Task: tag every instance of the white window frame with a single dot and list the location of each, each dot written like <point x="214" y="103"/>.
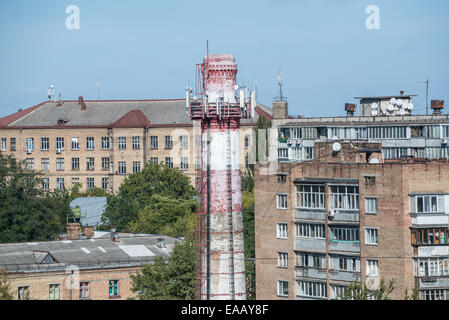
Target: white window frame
<point x="136" y="142"/>
<point x="282" y="259"/>
<point x="45" y="164"/>
<point x="367" y="205"/>
<point x="75" y="144"/>
<point x="307" y="197"/>
<point x="310" y="230"/>
<point x="281" y="288"/>
<point x="372" y="267"/>
<point x="121" y="167"/>
<point x="105" y="143"/>
<point x="184" y="142"/>
<point x="121" y="143"/>
<point x="184" y="163"/>
<point x="281" y="201"/>
<point x="369" y="234"/>
<point x="90" y="143"/>
<point x="281" y="233"/>
<point x="45" y="143"/>
<point x="60" y="143"/>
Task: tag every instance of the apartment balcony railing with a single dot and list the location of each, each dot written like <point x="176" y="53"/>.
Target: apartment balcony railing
<point x="311" y="272"/>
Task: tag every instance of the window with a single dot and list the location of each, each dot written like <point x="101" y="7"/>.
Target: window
<point x="394" y="153"/>
<point x="282" y="177"/>
<point x="23" y="293"/>
<point x="282" y="231"/>
<point x="60" y="164"/>
<point x="309" y="260"/>
<point x="309" y="230"/>
<point x="282" y="153"/>
<point x="371" y="205"/>
<point x="105" y="163"/>
<point x="184" y="141"/>
<point x="310" y="196"/>
<point x="75" y="164"/>
<point x="122" y="167"/>
<point x="54" y="292"/>
<point x="105" y="143"/>
<point x="90" y="183"/>
<point x="153" y="142"/>
<point x="59" y="143"/>
<point x="432" y="267"/>
<point x="105" y="183"/>
<point x="12" y="144"/>
<point x="184" y="163"/>
<point x="345" y="263"/>
<point x="90" y="144"/>
<point x="136" y="166"/>
<point x="75" y="143"/>
<point x="45" y="184"/>
<point x="417" y="131"/>
<point x="45" y="164"/>
<point x="136" y="143"/>
<point x="430" y="236"/>
<point x="75" y="180"/>
<point x="29" y="144"/>
<point x="121" y="143"/>
<point x="281" y="201"/>
<point x="60" y="183"/>
<point x="90" y="163"/>
<point x="345" y="234"/>
<point x="388" y="132"/>
<point x="371" y="236"/>
<point x="312" y="289"/>
<point x="344" y="197"/>
<point x="282" y="259"/>
<point x="246" y="162"/>
<point x="168" y="142"/>
<point x="247" y="141"/>
<point x="113" y="288"/>
<point x="427" y="204"/>
<point x="154" y="160"/>
<point x="29" y="162"/>
<point x="45" y="144"/>
<point x="372" y="267"/>
<point x="434" y="294"/>
<point x="370" y="181"/>
<point x="338" y="291"/>
<point x="302" y="153"/>
<point x="282" y="288"/>
<point x="84" y="290"/>
<point x="3" y="144"/>
<point x="169" y="162"/>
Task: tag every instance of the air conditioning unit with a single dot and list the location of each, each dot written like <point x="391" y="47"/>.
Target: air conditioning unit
<point x="331" y="213"/>
<point x="58" y="151"/>
<point x="29" y="151"/>
<point x="289" y="142"/>
<point x="444" y="141"/>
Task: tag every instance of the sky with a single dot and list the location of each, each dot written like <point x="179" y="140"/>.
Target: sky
<point x="142" y="49"/>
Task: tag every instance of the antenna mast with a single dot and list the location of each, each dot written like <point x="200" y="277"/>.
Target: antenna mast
<point x="98" y="87"/>
<point x="427" y="93"/>
<point x="280" y="83"/>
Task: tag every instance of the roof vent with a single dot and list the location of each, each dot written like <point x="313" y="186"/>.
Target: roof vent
<point x="81" y="103"/>
<point x="160" y="243"/>
<point x="350" y="109"/>
<point x="437" y="105"/>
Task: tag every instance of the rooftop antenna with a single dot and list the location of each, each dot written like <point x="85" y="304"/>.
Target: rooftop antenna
<point x="51" y="92"/>
<point x="427" y="93"/>
<point x="280" y="83"/>
<point x="98" y="88"/>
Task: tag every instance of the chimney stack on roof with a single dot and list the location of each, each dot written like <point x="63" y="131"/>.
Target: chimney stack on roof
<point x="81" y="103"/>
<point x="88" y="231"/>
<point x="350" y="109"/>
<point x="280" y="110"/>
<point x="73" y="231"/>
<point x="437" y="106"/>
<point x="114" y="234"/>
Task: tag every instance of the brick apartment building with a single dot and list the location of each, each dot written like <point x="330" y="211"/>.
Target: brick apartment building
<point x="349" y="214"/>
<point x="99" y="143"/>
<point x="99" y="268"/>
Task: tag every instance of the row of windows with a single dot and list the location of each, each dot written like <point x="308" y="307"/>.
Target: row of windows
<point x="427" y="204"/>
<point x="90" y="143"/>
<point x="105" y="164"/>
<point x="337" y="234"/>
<point x="432" y="267"/>
<point x="54" y="291"/>
<point x="60" y="183"/>
<point x="430" y="236"/>
<point x="428" y="152"/>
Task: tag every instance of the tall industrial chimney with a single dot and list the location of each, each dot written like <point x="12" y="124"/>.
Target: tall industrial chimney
<point x="217" y="111"/>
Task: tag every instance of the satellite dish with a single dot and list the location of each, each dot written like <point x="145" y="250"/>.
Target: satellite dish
<point x="374" y="105"/>
<point x="410" y="106"/>
<point x="374" y="160"/>
<point x="334" y="138"/>
<point x="399" y="102"/>
<point x="336" y="146"/>
<point x="390" y="107"/>
<point x="393" y="101"/>
<point x="236" y="87"/>
<point x="374" y="112"/>
<point x="331" y="213"/>
<point x="402" y="112"/>
<point x="384" y="110"/>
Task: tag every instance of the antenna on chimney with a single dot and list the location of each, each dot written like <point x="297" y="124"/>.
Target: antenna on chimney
<point x="280" y="83"/>
<point x="51" y="92"/>
<point x="98" y="87"/>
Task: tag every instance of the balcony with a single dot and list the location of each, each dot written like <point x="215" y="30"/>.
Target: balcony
<point x="310" y="244"/>
<point x="310" y="214"/>
<point x="349" y="246"/>
<point x="309" y="272"/>
<point x="433" y="251"/>
<point x="340" y="275"/>
<point x="346" y="215"/>
<point x="433" y="282"/>
<point x="430" y="219"/>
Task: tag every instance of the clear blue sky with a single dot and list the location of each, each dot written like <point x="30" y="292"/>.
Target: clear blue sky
<point x="148" y="49"/>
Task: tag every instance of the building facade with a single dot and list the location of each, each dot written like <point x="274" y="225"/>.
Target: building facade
<point x="100" y="143"/>
<point x="99" y="268"/>
<point x="347" y="215"/>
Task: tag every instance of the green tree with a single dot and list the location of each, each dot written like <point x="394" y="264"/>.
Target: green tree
<point x="168" y="280"/>
<point x="5" y="288"/>
<point x="248" y="232"/>
<point x="26" y="212"/>
<point x="76" y="192"/>
<point x="165" y="215"/>
<point x="137" y="190"/>
<point x="360" y="291"/>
